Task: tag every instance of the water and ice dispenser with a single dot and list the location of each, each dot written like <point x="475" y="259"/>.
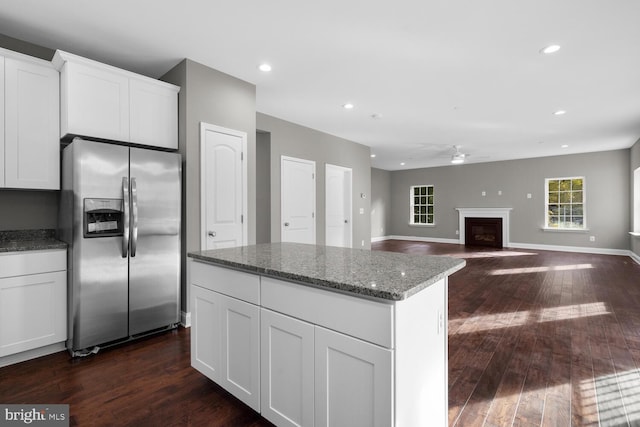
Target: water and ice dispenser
<point x="103" y="217"/>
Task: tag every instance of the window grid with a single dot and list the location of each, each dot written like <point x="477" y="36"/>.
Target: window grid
<point x="422" y="206"/>
<point x="564" y="204"/>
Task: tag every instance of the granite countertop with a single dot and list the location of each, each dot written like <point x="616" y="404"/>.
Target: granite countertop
<point x="387" y="275"/>
<point x="29" y="240"/>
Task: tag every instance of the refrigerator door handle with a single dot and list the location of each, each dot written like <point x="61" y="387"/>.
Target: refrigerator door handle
<point x="134" y="217"/>
<point x="125" y="200"/>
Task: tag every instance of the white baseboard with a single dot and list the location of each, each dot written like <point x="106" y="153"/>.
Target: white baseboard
<point x="424" y="239"/>
<point x="185" y="319"/>
<point x="578" y="249"/>
<point x="32" y="354"/>
<point x="530" y="246"/>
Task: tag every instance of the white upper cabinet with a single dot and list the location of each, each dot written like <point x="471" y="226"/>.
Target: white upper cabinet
<point x="102" y="101"/>
<point x="94" y="102"/>
<point x="29" y="123"/>
<point x="32" y="146"/>
<point x="153" y="114"/>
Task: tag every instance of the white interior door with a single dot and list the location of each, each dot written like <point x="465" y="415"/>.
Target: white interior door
<point x="338" y="205"/>
<point x="298" y="200"/>
<point x="223" y="187"/>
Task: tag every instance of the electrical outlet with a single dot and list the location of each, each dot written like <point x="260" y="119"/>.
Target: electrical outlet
<point x="457" y="232"/>
<point x="362" y="244"/>
<point x="592" y="238"/>
<point x="484" y="193"/>
<point x="361" y="211"/>
<point x="499" y="192"/>
<point x="528" y="195"/>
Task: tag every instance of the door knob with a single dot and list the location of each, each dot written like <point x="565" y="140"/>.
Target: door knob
<point x="286" y="224"/>
<point x="346" y="221"/>
<point x="212" y="234"/>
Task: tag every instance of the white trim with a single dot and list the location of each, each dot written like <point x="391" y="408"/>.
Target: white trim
<point x="185" y="319"/>
<point x="531" y="246"/>
<point x="422" y="225"/>
<point x="565" y="230"/>
<point x="503" y="213"/>
<point x="245" y="200"/>
<point x="584" y="201"/>
<point x="635" y="233"/>
<point x="424" y="239"/>
<point x="31" y="354"/>
<point x="579" y="249"/>
<point x="347" y="172"/>
<point x="309" y="162"/>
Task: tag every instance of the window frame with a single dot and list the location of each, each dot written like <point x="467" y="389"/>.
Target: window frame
<point x="426" y="205"/>
<point x="547" y="225"/>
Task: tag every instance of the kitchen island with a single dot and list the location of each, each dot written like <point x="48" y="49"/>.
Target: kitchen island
<point x="324" y="336"/>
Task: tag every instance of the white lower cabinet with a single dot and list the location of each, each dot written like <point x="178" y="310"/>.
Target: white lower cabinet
<point x="304" y="356"/>
<point x="225" y="343"/>
<point x="287" y="374"/>
<point x="353" y="382"/>
<point x="348" y="381"/>
<point x="33" y="300"/>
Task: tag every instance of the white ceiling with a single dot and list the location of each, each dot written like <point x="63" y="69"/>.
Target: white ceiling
<point x="438" y="72"/>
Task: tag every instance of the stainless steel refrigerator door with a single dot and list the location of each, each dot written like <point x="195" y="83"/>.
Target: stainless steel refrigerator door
<point x="154" y="259"/>
<point x="99" y="276"/>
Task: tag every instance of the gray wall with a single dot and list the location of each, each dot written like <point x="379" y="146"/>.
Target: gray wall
<point x="288" y="139"/>
<point x="20" y="209"/>
<point x="380" y="202"/>
<point x="635" y="164"/>
<point x="263" y="187"/>
<point x="213" y="97"/>
<point x="607" y="197"/>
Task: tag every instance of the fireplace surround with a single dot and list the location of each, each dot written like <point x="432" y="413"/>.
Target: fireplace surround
<point x="503" y="213"/>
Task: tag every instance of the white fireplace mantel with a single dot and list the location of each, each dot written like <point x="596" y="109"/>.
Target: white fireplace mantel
<point x="485" y="213"/>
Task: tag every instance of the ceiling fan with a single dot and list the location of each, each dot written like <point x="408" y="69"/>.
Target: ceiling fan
<point x="457" y="157"/>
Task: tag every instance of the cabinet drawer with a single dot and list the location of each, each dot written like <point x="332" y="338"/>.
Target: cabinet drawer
<point x="361" y="318"/>
<point x="236" y="284"/>
<point x="32" y="262"/>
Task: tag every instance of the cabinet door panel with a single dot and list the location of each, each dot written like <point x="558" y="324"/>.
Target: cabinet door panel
<point x="95" y="103"/>
<point x="287" y="370"/>
<point x="154" y="114"/>
<point x="353" y="382"/>
<point x="33" y="311"/>
<point x="241" y="350"/>
<point x="32" y="146"/>
<point x="206" y="332"/>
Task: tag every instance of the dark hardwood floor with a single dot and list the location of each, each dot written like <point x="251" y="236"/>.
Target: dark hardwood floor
<point x="541" y="338"/>
<point x="535" y="338"/>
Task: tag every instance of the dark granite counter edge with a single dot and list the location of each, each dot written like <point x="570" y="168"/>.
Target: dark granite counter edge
<point x="355" y="290"/>
<point x="29" y="240"/>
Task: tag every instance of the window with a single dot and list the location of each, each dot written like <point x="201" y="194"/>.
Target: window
<point x="564" y="203"/>
<point x="421" y="205"/>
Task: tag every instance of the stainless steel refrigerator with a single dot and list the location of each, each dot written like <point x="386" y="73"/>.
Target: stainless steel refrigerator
<point x="120" y="215"/>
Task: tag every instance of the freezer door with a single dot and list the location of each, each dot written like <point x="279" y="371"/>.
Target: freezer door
<point x="97" y="269"/>
<point x="154" y="259"/>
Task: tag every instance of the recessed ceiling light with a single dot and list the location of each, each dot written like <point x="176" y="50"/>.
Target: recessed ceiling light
<point x="373" y="155"/>
<point x="348" y="106"/>
<point x="559" y="112"/>
<point x="552" y="48"/>
<point x="402" y="164"/>
<point x="376" y="116"/>
<point x="564" y="146"/>
<point x="457" y="159"/>
<point x="264" y="67"/>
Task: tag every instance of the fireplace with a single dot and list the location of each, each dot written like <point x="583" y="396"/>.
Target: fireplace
<point x="483" y="232"/>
